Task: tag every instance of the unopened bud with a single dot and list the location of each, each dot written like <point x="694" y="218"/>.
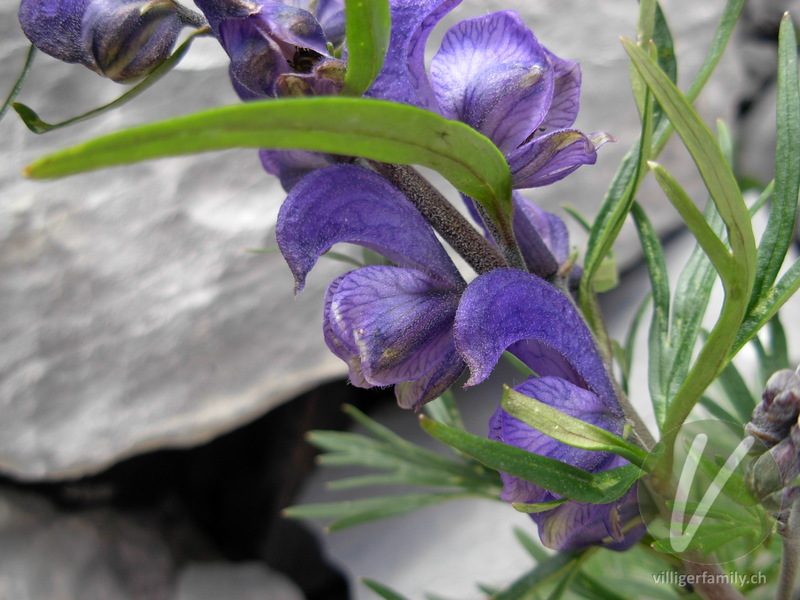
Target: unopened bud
<point x="774" y="418"/>
<point x="120" y="39"/>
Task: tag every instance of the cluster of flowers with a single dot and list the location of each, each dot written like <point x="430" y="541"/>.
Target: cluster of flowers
<point x="415" y="323"/>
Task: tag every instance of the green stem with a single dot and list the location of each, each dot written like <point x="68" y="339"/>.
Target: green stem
<point x="791" y="553"/>
<point x="26" y="68"/>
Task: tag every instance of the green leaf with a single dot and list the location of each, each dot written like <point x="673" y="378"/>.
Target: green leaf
<point x="768" y="306"/>
<point x="558" y="477"/>
<point x="542" y="574"/>
<point x="537" y="507"/>
<point x="368" y="28"/>
<point x="695" y="222"/>
<point x="738" y="394"/>
<point x="445" y="410"/>
<point x="37" y="125"/>
<point x="708" y="157"/>
<point x="658" y="341"/>
<point x="691" y="299"/>
<point x="566" y="429"/>
<point x="533" y="548"/>
<point x="630" y="341"/>
<point x="783" y="211"/>
<point x="350" y="126"/>
<point x="17" y="87"/>
<point x="383" y="591"/>
<point x="356" y="512"/>
<point x="709" y="538"/>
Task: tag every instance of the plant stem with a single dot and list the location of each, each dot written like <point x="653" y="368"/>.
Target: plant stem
<point x="710" y="582"/>
<point x="443" y="217"/>
<point x="791" y="553"/>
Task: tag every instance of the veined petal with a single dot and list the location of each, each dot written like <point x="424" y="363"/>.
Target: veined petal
<point x="339" y="346"/>
<point x="552" y="157"/>
<point x="493" y="74"/>
<point x="576" y="524"/>
<point x="399" y="321"/>
<point x="413" y="394"/>
<point x="403" y="77"/>
<point x="345" y="203"/>
<point x="570" y="399"/>
<point x="566" y="94"/>
<point x="506" y="306"/>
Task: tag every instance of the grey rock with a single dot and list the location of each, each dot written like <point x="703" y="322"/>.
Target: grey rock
<point x="134" y="315"/>
<point x="90" y="555"/>
<point x="135" y="319"/>
<point x="241" y="581"/>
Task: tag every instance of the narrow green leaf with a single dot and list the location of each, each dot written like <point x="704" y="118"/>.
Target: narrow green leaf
<point x="709" y="159"/>
<point x="662" y="37"/>
<point x="445" y="409"/>
<point x="537" y="552"/>
<point x="695" y="222"/>
<point x="351" y="126"/>
<point x="659" y="356"/>
<point x="768" y="306"/>
<point x="383" y="591"/>
<point x="566" y="581"/>
<point x="537" y="507"/>
<point x="368" y="27"/>
<point x="692" y="295"/>
<point x="553" y="475"/>
<point x="542" y="574"/>
<point x="709" y="538"/>
<point x="17" y="87"/>
<point x="37" y="125"/>
<point x="355" y="512"/>
<point x="783" y="210"/>
<point x="738" y="394"/>
<point x="716" y="411"/>
<point x="567" y="429"/>
<point x="630" y="341"/>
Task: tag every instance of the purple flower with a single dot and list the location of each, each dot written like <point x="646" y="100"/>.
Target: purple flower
<point x="280" y="48"/>
<point x="122" y="40"/>
<point x="392" y="325"/>
<point x="517" y="311"/>
<point x="493" y="74"/>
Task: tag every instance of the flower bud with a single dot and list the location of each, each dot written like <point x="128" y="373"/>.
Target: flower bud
<point x="128" y="40"/>
<point x="774" y="418"/>
<point x="122" y="39"/>
<point x="777" y="469"/>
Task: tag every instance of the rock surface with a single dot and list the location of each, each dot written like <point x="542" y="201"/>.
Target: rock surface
<point x="134" y="318"/>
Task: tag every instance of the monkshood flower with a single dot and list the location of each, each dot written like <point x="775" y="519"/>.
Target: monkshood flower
<point x="120" y="39"/>
<point x="494" y="75"/>
<point x="507" y="309"/>
<point x="392" y="325"/>
<point x="280" y="48"/>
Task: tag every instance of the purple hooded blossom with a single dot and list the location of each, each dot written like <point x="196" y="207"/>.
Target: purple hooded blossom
<point x="280" y="48"/>
<point x="510" y="309"/>
<point x="494" y="75"/>
<point x="392" y="325"/>
<point x="119" y="39"/>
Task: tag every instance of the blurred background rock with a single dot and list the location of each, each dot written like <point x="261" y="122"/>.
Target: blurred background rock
<point x="135" y="323"/>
